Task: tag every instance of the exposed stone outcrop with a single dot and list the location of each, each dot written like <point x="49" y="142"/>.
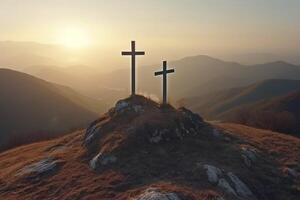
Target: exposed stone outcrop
<point x="102" y="160"/>
<point x="228" y="182"/>
<point x="124" y="106"/>
<point x="240" y="187"/>
<point x="249" y="155"/>
<point x="213" y="173"/>
<point x="217" y="133"/>
<point x="223" y="184"/>
<point x="41" y="167"/>
<point x="290" y="172"/>
<point x="91" y="133"/>
<point x="155" y="194"/>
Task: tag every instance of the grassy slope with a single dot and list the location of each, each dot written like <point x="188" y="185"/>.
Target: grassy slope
<point x="75" y="179"/>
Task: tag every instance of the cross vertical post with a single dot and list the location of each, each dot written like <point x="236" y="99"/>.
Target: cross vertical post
<point x="164" y="72"/>
<point x="133" y="68"/>
<point x="133" y="53"/>
<point x="164" y="82"/>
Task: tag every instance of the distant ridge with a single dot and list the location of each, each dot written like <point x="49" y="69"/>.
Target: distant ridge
<point x="276" y="95"/>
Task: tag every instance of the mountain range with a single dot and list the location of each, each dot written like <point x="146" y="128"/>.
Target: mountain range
<point x="195" y="75"/>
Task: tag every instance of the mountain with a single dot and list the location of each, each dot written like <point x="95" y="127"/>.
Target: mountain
<point x="32" y="109"/>
<point x="17" y="55"/>
<point x="194" y="76"/>
<point x="140" y="150"/>
<point x="84" y="79"/>
<point x="215" y="105"/>
<point x="199" y="75"/>
<point x="270" y="104"/>
<point x="280" y="113"/>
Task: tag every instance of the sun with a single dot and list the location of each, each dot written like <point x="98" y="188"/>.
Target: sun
<point x="74" y="38"/>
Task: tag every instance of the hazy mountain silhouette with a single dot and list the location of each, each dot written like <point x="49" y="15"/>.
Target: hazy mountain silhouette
<point x="281" y="113"/>
<point x="33" y="109"/>
<point x="215" y="104"/>
<point x="16" y="55"/>
<point x="199" y="75"/>
<point x="271" y="104"/>
<point x="195" y="76"/>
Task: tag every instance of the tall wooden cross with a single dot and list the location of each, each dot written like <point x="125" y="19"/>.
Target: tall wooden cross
<point x="133" y="54"/>
<point x="164" y="72"/>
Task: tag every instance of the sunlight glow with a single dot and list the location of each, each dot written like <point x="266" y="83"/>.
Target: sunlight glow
<point x="74" y="38"/>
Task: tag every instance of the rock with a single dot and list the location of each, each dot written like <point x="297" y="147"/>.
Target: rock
<point x="291" y="172"/>
<point x="56" y="149"/>
<point x="91" y="132"/>
<point x="156" y="137"/>
<point x="240" y="187"/>
<point x="250" y="153"/>
<point x="191" y="116"/>
<point x="191" y="120"/>
<point x="124" y="106"/>
<point x="223" y="184"/>
<point x="213" y="173"/>
<point x="249" y="156"/>
<point x="215" y="176"/>
<point x="101" y="159"/>
<point x="178" y="133"/>
<point x="182" y="129"/>
<point x="216" y="133"/>
<point x="247" y="161"/>
<point x="41" y="167"/>
<point x="155" y="194"/>
<point x="227" y="139"/>
<point x="138" y="108"/>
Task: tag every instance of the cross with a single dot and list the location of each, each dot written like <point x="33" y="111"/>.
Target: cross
<point x="164" y="72"/>
<point x="133" y="54"/>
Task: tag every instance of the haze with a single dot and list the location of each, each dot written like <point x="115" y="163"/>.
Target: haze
<point x="93" y="32"/>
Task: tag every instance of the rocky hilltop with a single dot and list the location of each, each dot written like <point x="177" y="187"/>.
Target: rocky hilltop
<point x="140" y="150"/>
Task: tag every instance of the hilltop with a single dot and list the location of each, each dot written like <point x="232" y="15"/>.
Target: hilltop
<point x="33" y="109"/>
<point x="140" y="150"/>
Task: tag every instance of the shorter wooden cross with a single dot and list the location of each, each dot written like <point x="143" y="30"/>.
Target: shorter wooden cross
<point x="164" y="72"/>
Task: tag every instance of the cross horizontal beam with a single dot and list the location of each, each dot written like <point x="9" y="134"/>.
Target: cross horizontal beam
<point x="163" y="72"/>
<point x="135" y="53"/>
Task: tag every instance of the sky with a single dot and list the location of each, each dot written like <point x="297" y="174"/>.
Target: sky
<point x="170" y="28"/>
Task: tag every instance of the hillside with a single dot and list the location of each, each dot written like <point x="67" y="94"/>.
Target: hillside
<point x="280" y="113"/>
<point x="32" y="109"/>
<point x="142" y="151"/>
<point x="218" y="105"/>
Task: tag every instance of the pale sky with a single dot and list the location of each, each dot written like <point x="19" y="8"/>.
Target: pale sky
<point x="185" y="26"/>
